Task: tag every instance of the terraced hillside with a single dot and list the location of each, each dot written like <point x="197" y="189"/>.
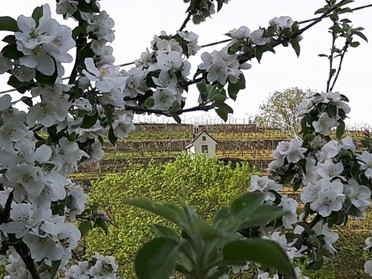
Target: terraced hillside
<point x="162" y="142"/>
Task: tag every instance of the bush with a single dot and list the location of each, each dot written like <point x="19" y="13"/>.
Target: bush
<point x="203" y="183"/>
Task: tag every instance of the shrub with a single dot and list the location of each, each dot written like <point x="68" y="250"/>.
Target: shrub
<point x="203" y="183"/>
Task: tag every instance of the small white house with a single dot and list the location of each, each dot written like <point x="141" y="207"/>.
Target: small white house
<point x="202" y="143"/>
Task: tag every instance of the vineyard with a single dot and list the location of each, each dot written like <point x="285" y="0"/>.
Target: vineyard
<point x="163" y="142"/>
<point x="139" y="165"/>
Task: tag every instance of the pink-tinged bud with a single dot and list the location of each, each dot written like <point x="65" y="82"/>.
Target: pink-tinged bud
<point x="103" y="216"/>
<point x="366" y="133"/>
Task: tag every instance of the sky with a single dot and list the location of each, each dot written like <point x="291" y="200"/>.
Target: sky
<point x="137" y="21"/>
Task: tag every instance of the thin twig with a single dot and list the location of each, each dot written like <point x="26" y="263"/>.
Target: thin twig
<point x="162" y="112"/>
<point x="23" y="250"/>
<point x="331" y="72"/>
<point x="187" y="19"/>
<point x="344" y="50"/>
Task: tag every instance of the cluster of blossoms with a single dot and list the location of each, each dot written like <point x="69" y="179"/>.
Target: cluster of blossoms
<point x="333" y="176"/>
<point x="98" y="267"/>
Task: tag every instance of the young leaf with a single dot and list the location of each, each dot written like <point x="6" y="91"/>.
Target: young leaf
<point x="8" y="23"/>
<point x="340" y="130"/>
<point x="165" y="231"/>
<point x="262" y="215"/>
<point x="37" y="14"/>
<point x="251" y="200"/>
<point x="169" y="212"/>
<point x="296" y="46"/>
<point x="44" y="79"/>
<point x="55" y="268"/>
<point x="89" y="120"/>
<point x="157" y="258"/>
<point x="262" y="251"/>
<point x="85" y="227"/>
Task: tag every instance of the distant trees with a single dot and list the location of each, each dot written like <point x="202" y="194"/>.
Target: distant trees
<point x="281" y="110"/>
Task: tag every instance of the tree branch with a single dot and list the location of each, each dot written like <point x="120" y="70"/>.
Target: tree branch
<point x="24" y="252"/>
<point x="166" y="113"/>
<point x="187" y="19"/>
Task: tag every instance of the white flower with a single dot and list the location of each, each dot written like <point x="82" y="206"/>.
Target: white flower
<point x="24" y="216"/>
<point x="79" y="199"/>
<point x="164" y="98"/>
<point x="53" y="107"/>
<point x="368" y="267"/>
<point x="25" y="177"/>
<point x="359" y="195"/>
<point x="79" y="271"/>
<point x="365" y="160"/>
<point x="242" y="32"/>
<point x="105" y="78"/>
<point x="192" y="42"/>
<point x="123" y="124"/>
<point x="289" y="205"/>
<point x="328" y="169"/>
<point x="282" y="22"/>
<point x="330" y="197"/>
<point x="291" y="150"/>
<point x="324" y="124"/>
<point x="220" y="65"/>
<point x="348" y="144"/>
<point x="43" y="44"/>
<point x="331" y="149"/>
<point x="330" y="237"/>
<point x="104" y="268"/>
<point x="265" y="185"/>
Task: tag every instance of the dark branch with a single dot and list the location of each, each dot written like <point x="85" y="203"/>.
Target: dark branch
<point x="24" y="252"/>
<point x="187" y="19"/>
<point x="166" y="113"/>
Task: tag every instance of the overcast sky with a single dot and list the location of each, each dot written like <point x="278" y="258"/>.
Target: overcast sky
<point x="137" y="21"/>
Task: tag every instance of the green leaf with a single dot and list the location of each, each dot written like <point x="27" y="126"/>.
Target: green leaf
<point x="149" y="102"/>
<point x="85" y="227"/>
<point x="262" y="251"/>
<point x="111" y="136"/>
<point x="361" y="35"/>
<point x="177" y="118"/>
<point x="296" y="46"/>
<point x="8" y="23"/>
<point x="340" y="130"/>
<point x="11" y="51"/>
<point x="234" y="88"/>
<point x="89" y="120"/>
<point x="27" y="101"/>
<point x="100" y="223"/>
<point x="44" y="79"/>
<point x="251" y="200"/>
<point x="354" y="44"/>
<point x="222" y="114"/>
<point x="169" y="212"/>
<point x="55" y="268"/>
<point x="165" y="231"/>
<point x="157" y="258"/>
<point x="263" y="215"/>
<point x="20" y="86"/>
<point x="10" y="39"/>
<point x="37" y="14"/>
<point x="315" y="265"/>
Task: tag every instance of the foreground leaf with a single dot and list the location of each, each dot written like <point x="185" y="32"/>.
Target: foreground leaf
<point x="169" y="212"/>
<point x="262" y="251"/>
<point x="156" y="259"/>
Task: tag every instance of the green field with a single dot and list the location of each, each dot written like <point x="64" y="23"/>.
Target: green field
<point x="144" y="149"/>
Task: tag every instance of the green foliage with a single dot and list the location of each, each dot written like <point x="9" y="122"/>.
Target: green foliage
<point x="280" y="110"/>
<point x="204" y="250"/>
<point x="203" y="183"/>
